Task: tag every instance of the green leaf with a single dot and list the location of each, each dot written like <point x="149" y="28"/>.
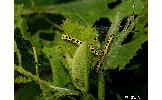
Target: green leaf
<point x="80" y="68"/>
<point x="60" y="77"/>
<point x="39" y="42"/>
<point x="126" y="8"/>
<point x="119" y="55"/>
<point x="19" y="22"/>
<point x="84" y="11"/>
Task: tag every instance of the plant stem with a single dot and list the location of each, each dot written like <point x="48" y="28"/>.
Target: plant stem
<point x="65" y="91"/>
<point x="101" y="86"/>
<point x="36" y="60"/>
<point x="18" y="53"/>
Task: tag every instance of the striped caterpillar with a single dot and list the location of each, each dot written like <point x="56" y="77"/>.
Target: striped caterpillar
<point x="107" y="45"/>
<point x="105" y="51"/>
<point x="78" y="42"/>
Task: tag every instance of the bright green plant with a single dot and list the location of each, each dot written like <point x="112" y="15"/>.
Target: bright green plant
<point x="70" y="63"/>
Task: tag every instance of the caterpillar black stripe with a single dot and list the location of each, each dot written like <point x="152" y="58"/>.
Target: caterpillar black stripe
<point x="78" y="42"/>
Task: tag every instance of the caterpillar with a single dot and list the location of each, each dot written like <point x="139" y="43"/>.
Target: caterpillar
<point x="105" y="51"/>
<point x="69" y="38"/>
<point x="78" y="42"/>
<point x="107" y="45"/>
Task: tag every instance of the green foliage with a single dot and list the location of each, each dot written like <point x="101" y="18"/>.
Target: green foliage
<point x="123" y="53"/>
<point x="60" y="76"/>
<point x="88" y="11"/>
<point x="47" y="87"/>
<point x="70" y="64"/>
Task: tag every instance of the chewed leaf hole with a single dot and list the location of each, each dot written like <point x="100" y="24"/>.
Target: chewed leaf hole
<point x="47" y="36"/>
<point x="113" y="4"/>
<point x="128" y="38"/>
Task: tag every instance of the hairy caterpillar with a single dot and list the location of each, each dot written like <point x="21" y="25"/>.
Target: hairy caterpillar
<point x="78" y="42"/>
<point x="105" y="51"/>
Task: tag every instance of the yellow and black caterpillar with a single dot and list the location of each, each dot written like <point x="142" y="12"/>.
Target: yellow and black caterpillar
<point x="105" y="51"/>
<point x="78" y="42"/>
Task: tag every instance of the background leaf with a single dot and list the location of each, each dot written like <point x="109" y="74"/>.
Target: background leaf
<point x="61" y="77"/>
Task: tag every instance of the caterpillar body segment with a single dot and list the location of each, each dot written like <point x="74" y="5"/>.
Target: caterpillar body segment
<point x="66" y="37"/>
<point x="94" y="51"/>
<point x="69" y="38"/>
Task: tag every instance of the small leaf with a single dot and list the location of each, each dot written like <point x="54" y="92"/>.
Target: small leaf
<point x="80" y="68"/>
<point x="60" y="77"/>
